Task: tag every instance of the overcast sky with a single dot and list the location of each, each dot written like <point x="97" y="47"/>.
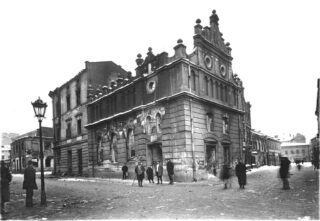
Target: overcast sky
<point x="275" y="46"/>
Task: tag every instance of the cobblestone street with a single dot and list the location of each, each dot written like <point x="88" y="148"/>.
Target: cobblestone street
<point x="263" y="198"/>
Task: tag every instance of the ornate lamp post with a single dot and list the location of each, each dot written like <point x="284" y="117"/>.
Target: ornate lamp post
<point x="39" y="110"/>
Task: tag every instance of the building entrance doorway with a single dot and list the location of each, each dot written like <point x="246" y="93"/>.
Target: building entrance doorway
<point x="210" y="157"/>
<point x="154" y="153"/>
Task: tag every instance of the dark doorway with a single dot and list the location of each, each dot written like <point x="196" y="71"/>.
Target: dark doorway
<point x="70" y="162"/>
<point x="80" y="162"/>
<point x="154" y="153"/>
<point x="210" y="156"/>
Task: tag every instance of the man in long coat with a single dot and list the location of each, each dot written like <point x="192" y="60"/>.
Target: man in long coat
<point x="6" y="178"/>
<point x="284" y="172"/>
<point x="241" y="174"/>
<point x="140" y="173"/>
<point x="150" y="174"/>
<point x="29" y="183"/>
<point x="170" y="171"/>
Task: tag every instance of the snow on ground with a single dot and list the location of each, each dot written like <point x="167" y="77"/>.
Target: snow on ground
<point x="262" y="168"/>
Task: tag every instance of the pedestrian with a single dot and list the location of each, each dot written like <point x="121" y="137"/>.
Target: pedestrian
<point x="140" y="173"/>
<point x="29" y="183"/>
<point x="150" y="174"/>
<point x="225" y="176"/>
<point x="284" y="172"/>
<point x="6" y="178"/>
<point x="124" y="172"/>
<point x="159" y="171"/>
<point x="170" y="170"/>
<point x="241" y="174"/>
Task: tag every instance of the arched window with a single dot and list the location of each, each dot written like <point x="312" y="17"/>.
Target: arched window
<point x="221" y="93"/>
<point x="206" y="86"/>
<point x="217" y="90"/>
<point x="193" y="81"/>
<point x="212" y="88"/>
<point x="226" y="93"/>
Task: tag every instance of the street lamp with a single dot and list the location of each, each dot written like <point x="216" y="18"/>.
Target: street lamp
<point x="39" y="110"/>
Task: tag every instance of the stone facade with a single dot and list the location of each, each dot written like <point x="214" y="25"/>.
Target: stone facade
<point x="27" y="147"/>
<point x="70" y="115"/>
<point x="188" y="108"/>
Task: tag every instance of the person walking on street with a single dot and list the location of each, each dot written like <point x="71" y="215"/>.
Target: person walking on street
<point x="140" y="173"/>
<point x="225" y="176"/>
<point x="170" y="170"/>
<point x="159" y="171"/>
<point x="6" y="178"/>
<point x="241" y="174"/>
<point x="29" y="183"/>
<point x="124" y="172"/>
<point x="150" y="174"/>
<point x="284" y="172"/>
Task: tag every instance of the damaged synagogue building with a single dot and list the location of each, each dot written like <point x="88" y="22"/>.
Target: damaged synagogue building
<point x="188" y="108"/>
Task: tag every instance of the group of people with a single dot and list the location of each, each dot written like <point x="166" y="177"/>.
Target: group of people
<point x="241" y="173"/>
<point x="157" y="166"/>
<point x="29" y="184"/>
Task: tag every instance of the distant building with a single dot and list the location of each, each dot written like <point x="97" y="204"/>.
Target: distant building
<point x="188" y="108"/>
<point x="27" y="147"/>
<point x="265" y="149"/>
<point x="274" y="150"/>
<point x="70" y="115"/>
<point x="296" y="151"/>
<point x="6" y="139"/>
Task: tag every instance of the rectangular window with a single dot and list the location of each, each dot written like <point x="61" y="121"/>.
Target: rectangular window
<point x="133" y="153"/>
<point x="79" y="126"/>
<point x="68" y="102"/>
<point x="210" y="125"/>
<point x="78" y="91"/>
<point x="225" y="124"/>
<point x="68" y="130"/>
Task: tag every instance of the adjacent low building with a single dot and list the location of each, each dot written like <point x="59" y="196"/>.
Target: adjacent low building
<point x="70" y="115"/>
<point x="265" y="149"/>
<point x="27" y="147"/>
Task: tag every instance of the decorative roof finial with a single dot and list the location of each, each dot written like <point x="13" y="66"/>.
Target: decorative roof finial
<point x="214" y="17"/>
<point x="179" y="41"/>
<point x="139" y="60"/>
